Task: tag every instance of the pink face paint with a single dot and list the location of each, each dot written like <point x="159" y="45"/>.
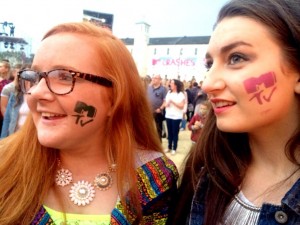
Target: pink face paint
<point x="262" y="87"/>
<point x="85" y="113"/>
<point x="252" y="84"/>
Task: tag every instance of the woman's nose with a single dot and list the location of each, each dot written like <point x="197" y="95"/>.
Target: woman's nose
<point x="213" y="81"/>
<point x="41" y="89"/>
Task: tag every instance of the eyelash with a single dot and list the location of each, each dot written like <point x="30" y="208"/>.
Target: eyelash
<point x="238" y="56"/>
<point x="208" y="64"/>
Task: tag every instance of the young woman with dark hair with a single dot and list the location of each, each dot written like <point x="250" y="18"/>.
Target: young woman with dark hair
<point x="174" y="105"/>
<point x="244" y="168"/>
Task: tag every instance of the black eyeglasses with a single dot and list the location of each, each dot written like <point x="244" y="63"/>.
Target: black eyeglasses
<point x="59" y="81"/>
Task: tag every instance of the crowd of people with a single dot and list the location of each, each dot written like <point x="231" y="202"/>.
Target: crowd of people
<point x="81" y="139"/>
<point x="174" y="104"/>
<point x="14" y="108"/>
<point x="4" y="80"/>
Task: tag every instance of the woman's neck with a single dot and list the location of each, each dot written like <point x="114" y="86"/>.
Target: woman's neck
<point x="270" y="173"/>
<point x="84" y="164"/>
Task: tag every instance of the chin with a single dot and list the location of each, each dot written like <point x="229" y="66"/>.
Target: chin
<point x="230" y="127"/>
<point x="48" y="144"/>
<point x="48" y="141"/>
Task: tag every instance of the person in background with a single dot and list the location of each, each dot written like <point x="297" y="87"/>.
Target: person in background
<point x="4" y="69"/>
<point x="201" y="96"/>
<point x="156" y="94"/>
<point x="4" y="73"/>
<point x="174" y="105"/>
<point x="194" y="90"/>
<point x="4" y="80"/>
<point x="184" y="120"/>
<point x="146" y="81"/>
<point x="9" y="88"/>
<point x="245" y="167"/>
<point x="88" y="151"/>
<point x="190" y="107"/>
<point x="166" y="84"/>
<point x="17" y="109"/>
<point x="198" y="120"/>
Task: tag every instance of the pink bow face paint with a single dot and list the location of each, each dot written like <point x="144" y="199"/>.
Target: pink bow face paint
<point x="85" y="113"/>
<point x="261" y="88"/>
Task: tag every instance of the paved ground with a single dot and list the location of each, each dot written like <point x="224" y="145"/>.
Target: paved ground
<point x="184" y="144"/>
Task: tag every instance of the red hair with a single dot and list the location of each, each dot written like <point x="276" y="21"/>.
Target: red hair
<point x="27" y="169"/>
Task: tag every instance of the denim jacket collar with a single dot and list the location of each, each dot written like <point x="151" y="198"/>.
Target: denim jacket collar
<point x="290" y="206"/>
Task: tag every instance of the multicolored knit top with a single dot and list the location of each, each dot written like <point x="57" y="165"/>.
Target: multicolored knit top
<point x="157" y="177"/>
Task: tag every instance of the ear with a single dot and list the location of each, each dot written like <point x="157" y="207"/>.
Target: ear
<point x="297" y="86"/>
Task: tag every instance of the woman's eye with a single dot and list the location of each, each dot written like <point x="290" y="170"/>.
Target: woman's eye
<point x="208" y="64"/>
<point x="236" y="58"/>
<point x="65" y="77"/>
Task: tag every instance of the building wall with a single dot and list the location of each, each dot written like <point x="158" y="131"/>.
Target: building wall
<point x="140" y="47"/>
<point x="179" y="61"/>
<point x="183" y="62"/>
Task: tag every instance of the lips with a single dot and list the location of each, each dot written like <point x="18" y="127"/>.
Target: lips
<point x="221" y="103"/>
<point x="48" y="115"/>
<point x="221" y="106"/>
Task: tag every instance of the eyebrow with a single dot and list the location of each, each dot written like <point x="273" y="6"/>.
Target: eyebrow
<point x="228" y="47"/>
<point x="58" y="66"/>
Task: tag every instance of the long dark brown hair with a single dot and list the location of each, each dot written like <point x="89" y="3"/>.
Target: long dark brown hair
<point x="221" y="158"/>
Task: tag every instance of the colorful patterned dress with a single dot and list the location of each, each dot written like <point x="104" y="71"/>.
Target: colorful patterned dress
<point x="157" y="177"/>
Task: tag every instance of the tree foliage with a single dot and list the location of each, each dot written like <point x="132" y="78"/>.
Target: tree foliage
<point x="16" y="57"/>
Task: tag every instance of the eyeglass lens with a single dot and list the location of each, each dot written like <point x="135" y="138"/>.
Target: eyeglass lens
<point x="58" y="81"/>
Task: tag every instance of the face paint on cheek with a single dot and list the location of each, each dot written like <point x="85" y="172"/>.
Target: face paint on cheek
<point x="85" y="113"/>
<point x="262" y="87"/>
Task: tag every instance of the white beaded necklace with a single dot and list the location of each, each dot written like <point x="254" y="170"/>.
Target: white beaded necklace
<point x="83" y="192"/>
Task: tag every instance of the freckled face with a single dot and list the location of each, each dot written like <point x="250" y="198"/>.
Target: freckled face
<point x="77" y="119"/>
<point x="249" y="83"/>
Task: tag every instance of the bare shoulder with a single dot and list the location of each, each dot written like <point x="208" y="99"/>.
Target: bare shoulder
<point x="145" y="156"/>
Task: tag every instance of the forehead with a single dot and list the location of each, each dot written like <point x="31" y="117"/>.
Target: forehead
<point x="67" y="50"/>
<point x="238" y="29"/>
<point x="64" y="42"/>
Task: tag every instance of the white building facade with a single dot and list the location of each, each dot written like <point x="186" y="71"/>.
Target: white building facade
<point x="171" y="57"/>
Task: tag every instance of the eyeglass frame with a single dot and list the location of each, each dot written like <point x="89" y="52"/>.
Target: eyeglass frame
<point x="86" y="76"/>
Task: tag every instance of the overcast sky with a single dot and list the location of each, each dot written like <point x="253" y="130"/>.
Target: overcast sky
<point x="167" y="18"/>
